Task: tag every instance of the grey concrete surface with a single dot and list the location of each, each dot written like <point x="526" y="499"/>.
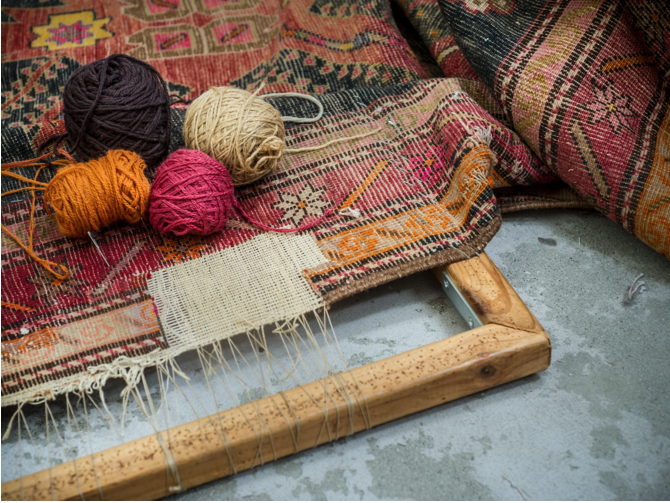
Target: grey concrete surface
<point x="595" y="425"/>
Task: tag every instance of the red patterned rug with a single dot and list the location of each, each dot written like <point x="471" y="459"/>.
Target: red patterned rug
<point x="587" y="87"/>
<point x="310" y="46"/>
<point x="416" y="195"/>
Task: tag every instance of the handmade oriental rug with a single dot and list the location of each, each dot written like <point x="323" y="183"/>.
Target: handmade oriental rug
<point x="585" y="84"/>
<point x="54" y="334"/>
<point x="418" y="194"/>
<point x="311" y="46"/>
<point x="433" y="33"/>
<point x="415" y="195"/>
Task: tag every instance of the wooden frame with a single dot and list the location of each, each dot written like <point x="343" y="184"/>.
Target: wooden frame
<point x="510" y="345"/>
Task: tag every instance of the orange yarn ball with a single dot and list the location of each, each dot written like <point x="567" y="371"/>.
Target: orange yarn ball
<point x="87" y="197"/>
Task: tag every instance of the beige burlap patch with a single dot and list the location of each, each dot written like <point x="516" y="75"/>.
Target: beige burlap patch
<point x="236" y="289"/>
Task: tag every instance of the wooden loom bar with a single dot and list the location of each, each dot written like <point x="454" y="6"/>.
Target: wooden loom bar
<point x="489" y="293"/>
<point x="331" y="408"/>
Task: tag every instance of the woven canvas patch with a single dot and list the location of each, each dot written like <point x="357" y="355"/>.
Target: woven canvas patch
<point x="236" y="289"/>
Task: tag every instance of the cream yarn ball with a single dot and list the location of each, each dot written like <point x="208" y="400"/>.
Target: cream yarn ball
<point x="238" y="129"/>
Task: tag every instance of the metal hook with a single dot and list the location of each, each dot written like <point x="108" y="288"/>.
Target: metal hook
<point x="459" y="250"/>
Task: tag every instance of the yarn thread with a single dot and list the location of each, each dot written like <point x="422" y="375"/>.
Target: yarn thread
<point x="58" y="270"/>
<point x="289" y="118"/>
<point x="84" y="197"/>
<point x="190" y="195"/>
<point x="194" y="194"/>
<point x="243" y="132"/>
<point x="87" y="197"/>
<point x="118" y="102"/>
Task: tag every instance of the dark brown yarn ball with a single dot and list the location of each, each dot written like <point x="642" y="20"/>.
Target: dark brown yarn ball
<point x="118" y="102"/>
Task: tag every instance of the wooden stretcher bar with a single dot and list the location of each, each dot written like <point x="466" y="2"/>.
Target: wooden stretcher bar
<point x="510" y="345"/>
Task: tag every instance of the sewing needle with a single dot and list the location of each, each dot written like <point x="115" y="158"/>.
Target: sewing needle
<point x="98" y="247"/>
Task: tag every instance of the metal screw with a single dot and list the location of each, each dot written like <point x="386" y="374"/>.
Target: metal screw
<point x="470" y="322"/>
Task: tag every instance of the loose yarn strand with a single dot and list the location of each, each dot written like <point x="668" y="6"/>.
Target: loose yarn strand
<point x="298" y="120"/>
<point x="244" y="132"/>
<point x="58" y="270"/>
<point x="332" y="142"/>
<point x="239" y="208"/>
<point x="301" y="120"/>
<point x="83" y="197"/>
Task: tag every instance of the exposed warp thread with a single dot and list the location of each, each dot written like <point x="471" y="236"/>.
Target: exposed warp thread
<point x="118" y="102"/>
<point x="87" y="197"/>
<point x="193" y="194"/>
<point x="243" y="132"/>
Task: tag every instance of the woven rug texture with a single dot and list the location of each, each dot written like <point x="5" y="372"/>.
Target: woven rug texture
<point x="585" y="84"/>
<point x="485" y="106"/>
<point x="422" y="187"/>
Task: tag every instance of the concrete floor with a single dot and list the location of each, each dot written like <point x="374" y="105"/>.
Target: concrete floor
<point x="595" y="425"/>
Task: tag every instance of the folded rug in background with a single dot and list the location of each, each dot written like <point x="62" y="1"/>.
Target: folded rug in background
<point x="432" y="31"/>
<point x="311" y="46"/>
<point x="585" y="84"/>
<point x="435" y="32"/>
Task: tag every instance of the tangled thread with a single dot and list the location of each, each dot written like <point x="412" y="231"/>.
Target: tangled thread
<point x="118" y="102"/>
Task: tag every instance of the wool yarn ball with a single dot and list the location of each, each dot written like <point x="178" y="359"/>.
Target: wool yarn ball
<point x="118" y="102"/>
<point x="87" y="197"/>
<point x="191" y="194"/>
<point x="238" y="129"/>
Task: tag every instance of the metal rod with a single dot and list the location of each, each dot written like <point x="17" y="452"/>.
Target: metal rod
<point x="98" y="247"/>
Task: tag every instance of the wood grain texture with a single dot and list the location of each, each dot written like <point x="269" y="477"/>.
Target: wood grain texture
<point x="510" y="345"/>
<point x="266" y="429"/>
<point x="490" y="294"/>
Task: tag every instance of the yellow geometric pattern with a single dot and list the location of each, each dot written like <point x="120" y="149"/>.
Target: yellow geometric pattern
<point x="67" y="31"/>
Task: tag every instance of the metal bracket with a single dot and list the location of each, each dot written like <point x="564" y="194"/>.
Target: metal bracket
<point x="460" y="302"/>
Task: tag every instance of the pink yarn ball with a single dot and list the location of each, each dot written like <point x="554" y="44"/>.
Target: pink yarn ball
<point x="191" y="194"/>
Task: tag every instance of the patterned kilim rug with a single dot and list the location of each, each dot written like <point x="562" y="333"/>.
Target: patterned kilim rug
<point x="309" y="46"/>
<point x="415" y="195"/>
<point x="434" y="31"/>
<point x="312" y="46"/>
<point x="585" y="84"/>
